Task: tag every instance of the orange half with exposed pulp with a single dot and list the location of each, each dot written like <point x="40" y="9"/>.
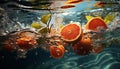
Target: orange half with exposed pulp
<point x="94" y="23"/>
<point x="71" y="32"/>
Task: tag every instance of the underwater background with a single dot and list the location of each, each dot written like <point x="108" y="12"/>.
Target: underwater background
<point x="14" y="13"/>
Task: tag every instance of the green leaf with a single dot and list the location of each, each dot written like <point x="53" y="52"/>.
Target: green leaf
<point x="36" y="25"/>
<point x="45" y="18"/>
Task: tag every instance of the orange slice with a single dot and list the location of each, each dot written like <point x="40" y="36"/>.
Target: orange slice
<point x="71" y="32"/>
<point x="94" y="23"/>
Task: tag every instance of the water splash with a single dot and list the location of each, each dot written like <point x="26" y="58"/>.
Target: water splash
<point x="7" y="25"/>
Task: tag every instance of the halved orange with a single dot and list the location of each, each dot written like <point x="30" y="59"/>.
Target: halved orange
<point x="94" y="23"/>
<point x="71" y="32"/>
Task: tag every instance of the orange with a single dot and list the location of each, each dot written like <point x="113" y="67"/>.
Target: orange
<point x="57" y="51"/>
<point x="71" y="32"/>
<point x="94" y="23"/>
<point x="83" y="47"/>
<point x="26" y="42"/>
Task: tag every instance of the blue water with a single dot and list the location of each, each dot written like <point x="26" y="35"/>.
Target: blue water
<point x="38" y="58"/>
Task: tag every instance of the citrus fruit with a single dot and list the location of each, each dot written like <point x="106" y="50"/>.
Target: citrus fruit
<point x="71" y="32"/>
<point x="26" y="43"/>
<point x="83" y="46"/>
<point x="57" y="51"/>
<point x="94" y="23"/>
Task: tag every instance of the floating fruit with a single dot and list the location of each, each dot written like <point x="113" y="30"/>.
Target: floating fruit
<point x="71" y="32"/>
<point x="83" y="47"/>
<point x="94" y="23"/>
<point x="57" y="51"/>
<point x="26" y="43"/>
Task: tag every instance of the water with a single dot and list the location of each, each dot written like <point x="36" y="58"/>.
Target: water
<point x="39" y="58"/>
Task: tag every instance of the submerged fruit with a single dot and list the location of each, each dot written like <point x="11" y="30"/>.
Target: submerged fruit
<point x="71" y="32"/>
<point x="26" y="43"/>
<point x="94" y="23"/>
<point x="57" y="51"/>
<point x="83" y="47"/>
